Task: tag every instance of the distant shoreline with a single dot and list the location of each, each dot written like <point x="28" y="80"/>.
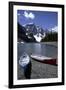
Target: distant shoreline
<point x="48" y="43"/>
<point x="52" y="43"/>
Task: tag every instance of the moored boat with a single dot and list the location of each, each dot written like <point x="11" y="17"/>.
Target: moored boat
<point x="44" y="59"/>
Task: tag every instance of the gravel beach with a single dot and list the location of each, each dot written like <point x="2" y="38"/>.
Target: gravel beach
<point x="39" y="70"/>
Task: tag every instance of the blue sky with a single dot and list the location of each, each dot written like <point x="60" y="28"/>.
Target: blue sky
<point x="44" y="19"/>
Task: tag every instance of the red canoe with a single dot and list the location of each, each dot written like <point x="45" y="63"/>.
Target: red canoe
<point x="44" y="59"/>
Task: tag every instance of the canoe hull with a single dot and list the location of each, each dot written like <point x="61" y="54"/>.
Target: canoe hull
<point x="43" y="59"/>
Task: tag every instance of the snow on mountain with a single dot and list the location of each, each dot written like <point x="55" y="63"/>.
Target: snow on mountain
<point x="39" y="37"/>
<point x="36" y="30"/>
<point x="54" y="29"/>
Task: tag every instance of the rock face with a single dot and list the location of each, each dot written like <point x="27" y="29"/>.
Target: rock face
<point x="22" y="35"/>
<point x="30" y="33"/>
<point x="32" y="28"/>
<point x="33" y="33"/>
<point x="37" y="31"/>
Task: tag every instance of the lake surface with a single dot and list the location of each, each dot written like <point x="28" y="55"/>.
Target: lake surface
<point x="37" y="48"/>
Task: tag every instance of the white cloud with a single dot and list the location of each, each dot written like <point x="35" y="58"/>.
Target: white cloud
<point x="26" y="14"/>
<point x="29" y="15"/>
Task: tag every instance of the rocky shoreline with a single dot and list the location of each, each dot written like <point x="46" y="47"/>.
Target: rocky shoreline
<point x="39" y="70"/>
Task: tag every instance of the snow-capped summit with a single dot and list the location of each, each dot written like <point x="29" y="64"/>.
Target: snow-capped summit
<point x="37" y="31"/>
<point x="54" y="29"/>
<point x="39" y="37"/>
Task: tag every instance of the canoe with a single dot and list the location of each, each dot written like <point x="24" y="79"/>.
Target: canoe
<point x="44" y="59"/>
<point x="24" y="60"/>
